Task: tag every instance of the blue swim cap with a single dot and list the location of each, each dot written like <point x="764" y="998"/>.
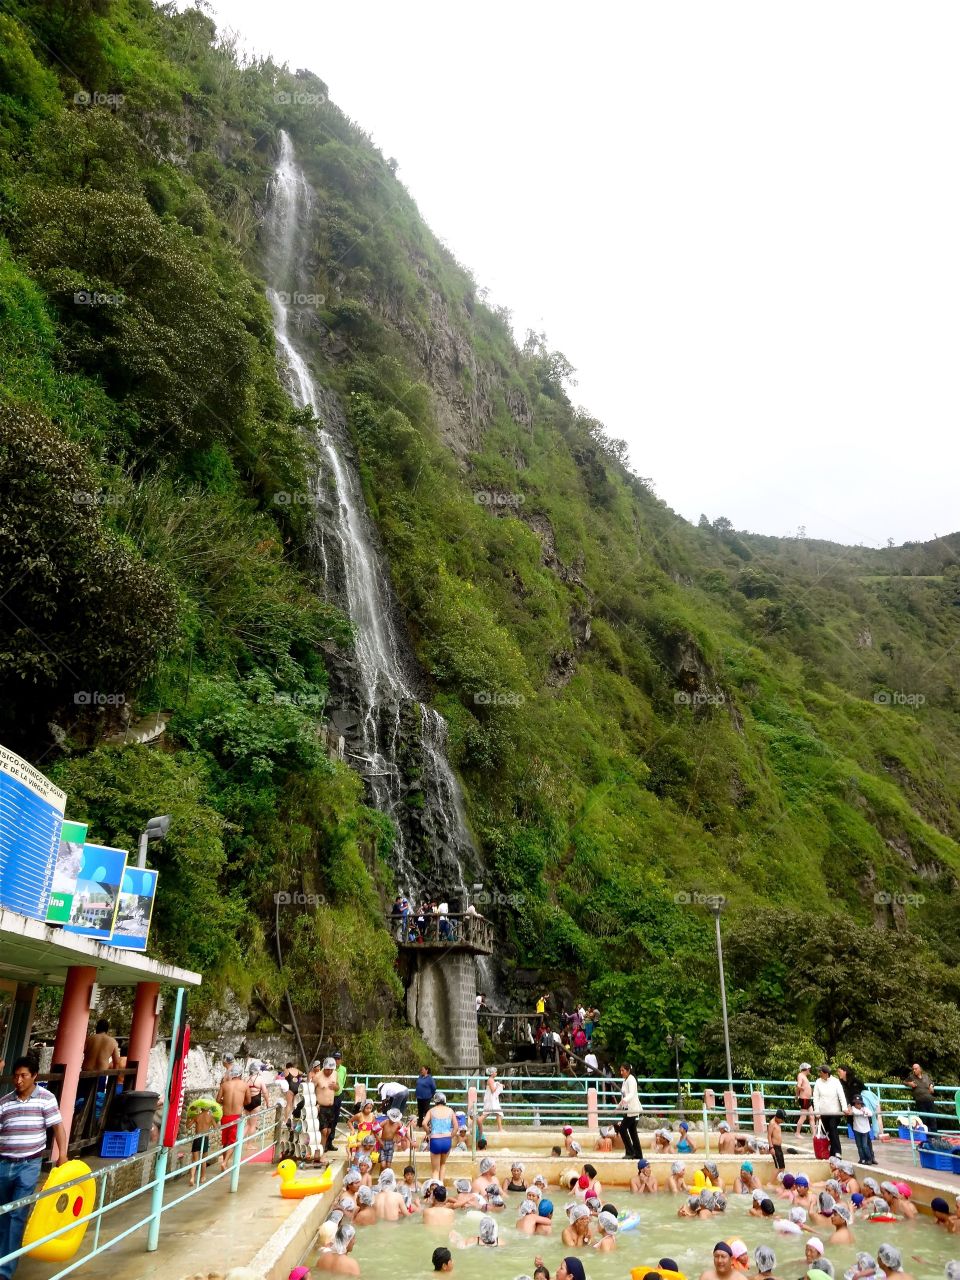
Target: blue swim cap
<point x="643" y="1164"/>
<point x="747" y="1167"/>
<point x="546" y="1208"/>
<point x="684" y="1126"/>
<point x="802" y="1180"/>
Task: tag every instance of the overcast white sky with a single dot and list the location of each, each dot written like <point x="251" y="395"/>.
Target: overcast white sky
<point x="739" y="220"/>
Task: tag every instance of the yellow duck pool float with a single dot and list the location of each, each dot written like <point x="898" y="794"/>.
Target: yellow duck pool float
<point x="294" y="1188"/>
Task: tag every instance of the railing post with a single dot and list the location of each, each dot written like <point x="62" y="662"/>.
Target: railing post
<point x="759" y="1114"/>
<point x="730" y="1106"/>
<point x="160" y="1168"/>
<point x="237" y="1155"/>
<point x="706" y="1132"/>
<point x="593" y="1117"/>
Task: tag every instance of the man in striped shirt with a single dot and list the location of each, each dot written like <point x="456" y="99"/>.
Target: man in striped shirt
<point x="25" y="1116"/>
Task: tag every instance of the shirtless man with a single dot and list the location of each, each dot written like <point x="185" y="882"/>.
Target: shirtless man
<point x="842" y="1217"/>
<point x="325" y="1088"/>
<point x="726" y="1143"/>
<point x="898" y="1203"/>
<point x="605" y="1142"/>
<point x="100" y="1051"/>
<point x="390" y="1204"/>
<point x="436" y="1212"/>
<point x="577" y="1235"/>
<point x="336" y="1257"/>
<point x="804" y="1095"/>
<point x="465" y="1197"/>
<point x="675" y="1182"/>
<point x="233" y="1095"/>
<point x="722" y="1263"/>
<point x="891" y="1263"/>
<point x="366" y="1214"/>
<point x="530" y="1218"/>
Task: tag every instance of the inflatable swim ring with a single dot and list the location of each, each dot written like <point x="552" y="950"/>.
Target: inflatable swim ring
<point x="52" y="1212"/>
<point x="629" y="1221"/>
<point x="637" y="1273"/>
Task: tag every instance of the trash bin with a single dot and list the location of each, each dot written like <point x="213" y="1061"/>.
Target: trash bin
<point x="133" y="1109"/>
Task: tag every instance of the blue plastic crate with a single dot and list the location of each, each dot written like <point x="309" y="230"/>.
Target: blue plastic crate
<point x="116" y="1145"/>
<point x="942" y="1160"/>
<point x="919" y="1135"/>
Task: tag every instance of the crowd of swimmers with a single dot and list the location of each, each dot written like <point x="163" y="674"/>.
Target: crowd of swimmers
<point x="806" y="1218"/>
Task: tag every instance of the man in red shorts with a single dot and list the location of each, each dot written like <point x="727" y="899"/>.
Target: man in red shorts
<point x="233" y="1096"/>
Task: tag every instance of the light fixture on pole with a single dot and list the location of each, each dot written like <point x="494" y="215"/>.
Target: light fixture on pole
<point x="676" y="1043"/>
<point x="716" y="907"/>
<point x="156" y="829"/>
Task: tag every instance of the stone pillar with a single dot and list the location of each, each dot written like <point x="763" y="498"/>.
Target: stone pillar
<point x="759" y="1114"/>
<point x="593" y="1115"/>
<point x="72" y="1034"/>
<point x="730" y="1106"/>
<point x="143" y="1029"/>
<point x="441" y="1003"/>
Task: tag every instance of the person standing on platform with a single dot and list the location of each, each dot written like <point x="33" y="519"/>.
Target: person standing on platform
<point x="922" y="1085"/>
<point x="829" y="1105"/>
<point x="629" y="1104"/>
<point x="337" y="1098"/>
<point x="26" y="1116"/>
<point x="426" y="1087"/>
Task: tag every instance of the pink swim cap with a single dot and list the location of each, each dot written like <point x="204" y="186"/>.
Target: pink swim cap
<point x="904" y="1190"/>
<point x="567" y="1129"/>
<point x="300" y="1273"/>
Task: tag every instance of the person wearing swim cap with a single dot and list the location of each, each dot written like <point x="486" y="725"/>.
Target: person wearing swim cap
<point x="436" y="1211"/>
<point x="609" y="1226"/>
<point x="439" y="1123"/>
<point x="746" y="1180"/>
<point x="766" y="1261"/>
<point x="675" y="1181"/>
<point x="896" y="1201"/>
<point x="571" y="1269"/>
<point x="334" y="1256"/>
<point x="544" y="1225"/>
<point x="865" y="1268"/>
<point x="722" y="1263"/>
<point x="813" y="1250"/>
<point x="890" y="1263"/>
<point x="487" y="1175"/>
<point x="840" y="1221"/>
<point x="530" y="1218"/>
<point x="577" y="1234"/>
<point x="644" y="1181"/>
<point x="390" y="1205"/>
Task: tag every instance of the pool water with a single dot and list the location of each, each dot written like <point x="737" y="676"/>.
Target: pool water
<point x="397" y="1250"/>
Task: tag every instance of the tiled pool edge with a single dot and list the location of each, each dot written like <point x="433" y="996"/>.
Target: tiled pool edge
<point x="286" y="1248"/>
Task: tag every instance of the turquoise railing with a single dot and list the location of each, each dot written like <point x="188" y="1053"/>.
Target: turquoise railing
<point x="99" y="1238"/>
<point x="557" y="1100"/>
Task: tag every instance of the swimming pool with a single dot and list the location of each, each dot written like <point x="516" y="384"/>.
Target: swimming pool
<point x="396" y="1250"/>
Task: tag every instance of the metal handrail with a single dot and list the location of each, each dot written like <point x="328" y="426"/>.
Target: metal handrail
<point x="534" y="1099"/>
<point x="267" y="1125"/>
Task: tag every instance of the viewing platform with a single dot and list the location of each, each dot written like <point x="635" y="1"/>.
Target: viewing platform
<point x="466" y="932"/>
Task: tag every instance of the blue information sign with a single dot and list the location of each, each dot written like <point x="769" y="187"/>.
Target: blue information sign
<point x="31" y="815"/>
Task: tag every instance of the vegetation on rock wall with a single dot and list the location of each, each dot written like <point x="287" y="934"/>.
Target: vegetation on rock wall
<point x="644" y="714"/>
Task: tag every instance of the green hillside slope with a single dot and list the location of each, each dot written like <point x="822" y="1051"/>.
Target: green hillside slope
<point x="645" y="714"/>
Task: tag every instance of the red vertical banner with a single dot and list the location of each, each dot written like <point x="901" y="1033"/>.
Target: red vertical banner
<point x="179" y="1048"/>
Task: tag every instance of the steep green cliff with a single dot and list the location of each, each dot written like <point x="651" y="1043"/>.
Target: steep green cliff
<point x="644" y="714"/>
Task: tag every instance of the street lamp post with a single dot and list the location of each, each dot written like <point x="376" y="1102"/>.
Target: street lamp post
<point x="716" y="908"/>
<point x="676" y="1043"/>
<point x="156" y="829"/>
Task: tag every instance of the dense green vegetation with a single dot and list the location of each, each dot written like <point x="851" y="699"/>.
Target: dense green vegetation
<point x="643" y="713"/>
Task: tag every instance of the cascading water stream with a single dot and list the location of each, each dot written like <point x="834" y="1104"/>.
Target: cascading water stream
<point x="385" y="692"/>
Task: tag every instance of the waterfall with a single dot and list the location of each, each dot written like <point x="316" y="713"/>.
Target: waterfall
<point x="389" y="714"/>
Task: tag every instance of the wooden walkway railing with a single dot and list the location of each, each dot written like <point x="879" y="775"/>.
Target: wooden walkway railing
<point x="454" y="931"/>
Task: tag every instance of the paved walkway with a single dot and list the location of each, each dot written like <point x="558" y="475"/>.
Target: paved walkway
<point x="894" y="1159"/>
<point x="213" y="1231"/>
